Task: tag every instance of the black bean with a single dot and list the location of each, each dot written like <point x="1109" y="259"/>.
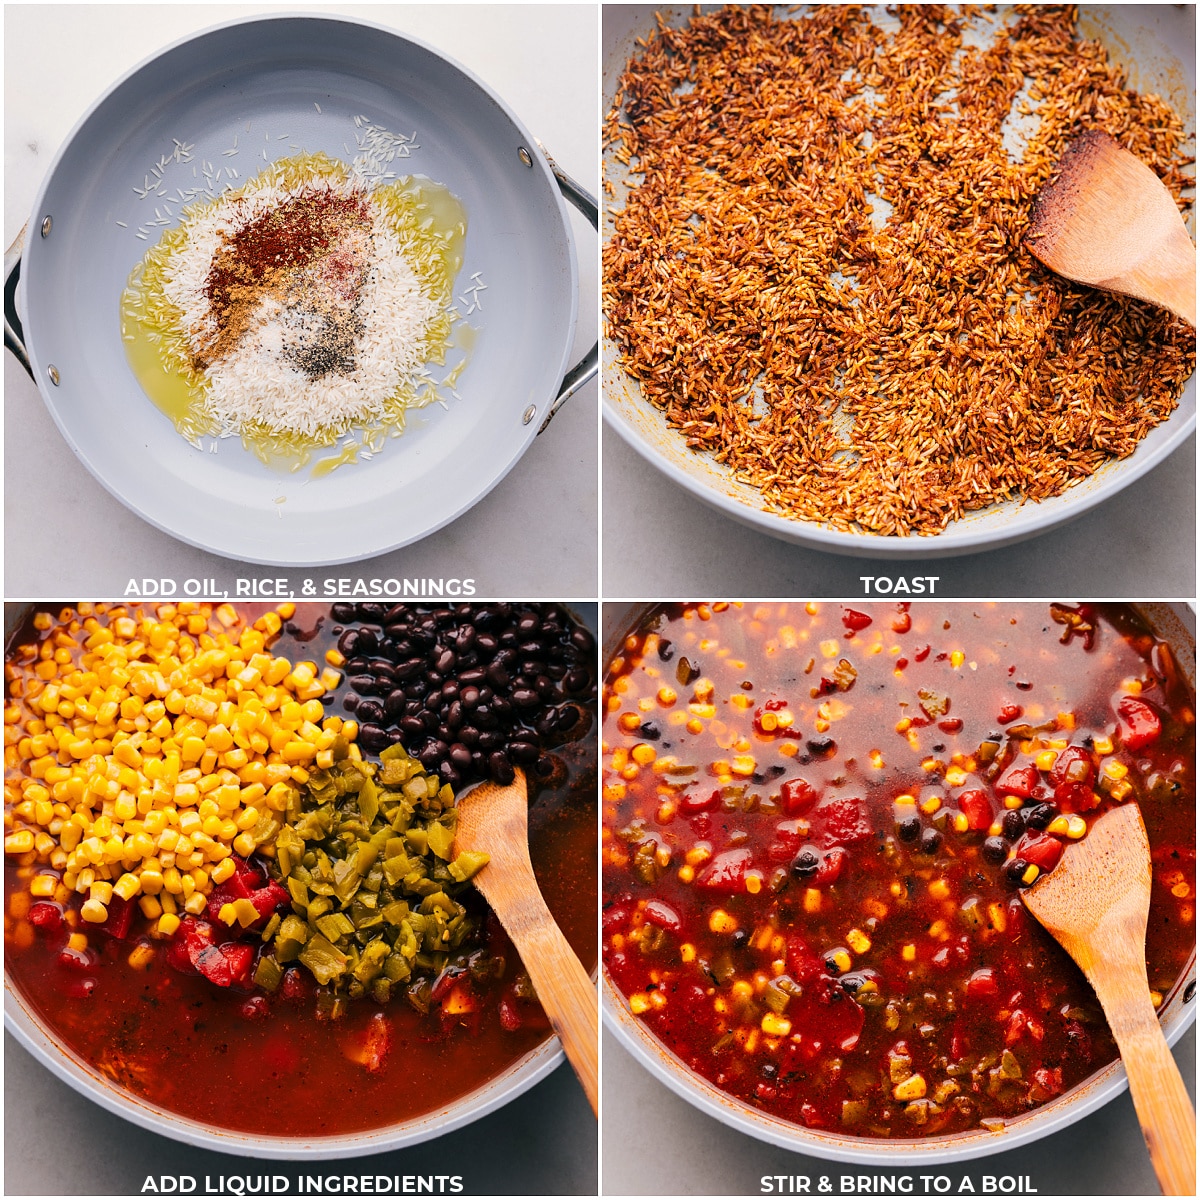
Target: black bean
<point x="475" y="676"/>
<point x="994" y="849"/>
<point x="372" y="737"/>
<point x="469" y="697"/>
<point x="545" y="767"/>
<point x="464" y="639"/>
<point x="408" y="669"/>
<point x="823" y="746"/>
<point x="1014" y="871"/>
<point x="490" y="739"/>
<point x="350" y="702"/>
<point x="931" y="841"/>
<point x="348" y="642"/>
<point x="368" y="643"/>
<point x="486" y="643"/>
<point x="525" y="697"/>
<point x="648" y="729"/>
<point x="523" y="752"/>
<point x="666" y="649"/>
<point x="499" y="768"/>
<point x="412" y="726"/>
<point x="582" y="640"/>
<point x="394" y="704"/>
<point x="1040" y="815"/>
<point x="497" y="676"/>
<point x="363" y="684"/>
<point x="468" y="735"/>
<point x="449" y="773"/>
<point x="371" y="710"/>
<point x="445" y="660"/>
<point x="806" y="864"/>
<point x="460" y="756"/>
<point x="449" y="690"/>
<point x="1013" y="824"/>
<point x="342" y="612"/>
<point x="528" y="625"/>
<point x="909" y="829"/>
<point x="575" y="680"/>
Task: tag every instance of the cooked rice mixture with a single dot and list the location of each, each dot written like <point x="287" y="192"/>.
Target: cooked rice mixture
<point x="884" y="376"/>
<point x="299" y="306"/>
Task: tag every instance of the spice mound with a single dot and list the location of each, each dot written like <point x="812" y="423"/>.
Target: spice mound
<point x="816" y="271"/>
<point x="301" y="305"/>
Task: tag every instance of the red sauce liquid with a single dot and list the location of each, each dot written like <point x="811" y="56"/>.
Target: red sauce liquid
<point x="835" y="955"/>
<point x="180" y="1042"/>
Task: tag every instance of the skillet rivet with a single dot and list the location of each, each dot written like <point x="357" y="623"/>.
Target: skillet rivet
<point x="47" y="223"/>
<point x="52" y="371"/>
<point x="528" y="414"/>
<point x="525" y="156"/>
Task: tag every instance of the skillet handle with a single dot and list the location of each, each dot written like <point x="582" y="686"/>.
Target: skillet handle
<point x="585" y="370"/>
<point x="14" y="334"/>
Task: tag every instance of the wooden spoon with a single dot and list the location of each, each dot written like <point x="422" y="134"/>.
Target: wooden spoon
<point x="1095" y="903"/>
<point x="1108" y="221"/>
<point x="495" y="820"/>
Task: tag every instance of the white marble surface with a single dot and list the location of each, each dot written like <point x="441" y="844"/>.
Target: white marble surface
<point x="656" y="1144"/>
<point x="535" y="534"/>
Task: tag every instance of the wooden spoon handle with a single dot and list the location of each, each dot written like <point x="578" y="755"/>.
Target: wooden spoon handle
<point x="567" y="994"/>
<point x="1163" y="1106"/>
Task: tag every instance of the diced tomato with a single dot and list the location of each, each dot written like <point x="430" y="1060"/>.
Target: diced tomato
<point x="295" y="985"/>
<point x="510" y="1015"/>
<point x="1140" y="724"/>
<point x="832" y="863"/>
<point x="1074" y="764"/>
<point x="616" y="916"/>
<point x="46" y="915"/>
<point x="1043" y="849"/>
<point x="120" y="915"/>
<point x="79" y="989"/>
<point x="660" y="913"/>
<point x="922" y="653"/>
<point x="78" y="960"/>
<point x="802" y="962"/>
<point x="852" y="619"/>
<point x="1020" y="780"/>
<point x="828" y="1014"/>
<point x="902" y="622"/>
<point x="842" y="820"/>
<point x="798" y="796"/>
<point x="1009" y="713"/>
<point x="376" y="1043"/>
<point x="982" y="984"/>
<point x="697" y="802"/>
<point x="267" y="899"/>
<point x="1021" y="1023"/>
<point x="1049" y="1079"/>
<point x="727" y="872"/>
<point x="787" y="842"/>
<point x="226" y="964"/>
<point x="976" y="807"/>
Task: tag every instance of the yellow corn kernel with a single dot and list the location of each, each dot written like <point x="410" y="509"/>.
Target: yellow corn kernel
<point x="905" y="800"/>
<point x="195" y="904"/>
<point x="908" y="952"/>
<point x="859" y="942"/>
<point x="1120" y="789"/>
<point x="1058" y="826"/>
<point x="1076" y="826"/>
<point x="1013" y="802"/>
<point x="841" y="959"/>
<point x="20" y="842"/>
<point x="687" y="952"/>
<point x="94" y="911"/>
<point x="721" y="922"/>
<point x="40" y="885"/>
<point x="639" y="1003"/>
<point x="931" y="805"/>
<point x="812" y="900"/>
<point x="141" y="957"/>
<point x="774" y="1025"/>
<point x="1031" y="873"/>
<point x="742" y="989"/>
<point x="168" y="923"/>
<point x="939" y="889"/>
<point x="1046" y="760"/>
<point x="77" y="942"/>
<point x="1102" y="745"/>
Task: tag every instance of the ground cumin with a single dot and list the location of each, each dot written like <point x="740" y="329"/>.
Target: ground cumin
<point x="884" y="379"/>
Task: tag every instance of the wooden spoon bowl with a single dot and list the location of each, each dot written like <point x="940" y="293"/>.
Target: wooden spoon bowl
<point x="1108" y="221"/>
<point x="1095" y="903"/>
<point x="495" y="820"/>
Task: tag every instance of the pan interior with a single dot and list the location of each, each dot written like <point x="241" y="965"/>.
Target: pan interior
<point x="279" y="86"/>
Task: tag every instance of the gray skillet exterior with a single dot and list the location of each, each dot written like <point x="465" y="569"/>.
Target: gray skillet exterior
<point x="272" y="73"/>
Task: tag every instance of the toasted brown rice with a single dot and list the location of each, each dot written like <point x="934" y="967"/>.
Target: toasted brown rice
<point x="883" y="379"/>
